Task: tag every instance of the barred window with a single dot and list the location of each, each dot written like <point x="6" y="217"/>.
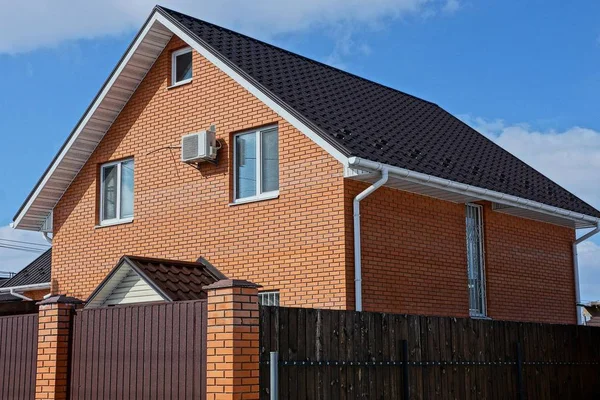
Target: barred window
<point x="475" y="260"/>
<point x="268" y="298"/>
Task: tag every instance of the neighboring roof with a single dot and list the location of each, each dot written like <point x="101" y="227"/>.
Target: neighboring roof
<point x="8" y="297"/>
<point x="594" y="322"/>
<point x="38" y="271"/>
<point x="348" y="115"/>
<point x="172" y="280"/>
<point x="179" y="280"/>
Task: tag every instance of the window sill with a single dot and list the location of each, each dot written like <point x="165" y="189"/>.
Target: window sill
<point x="483" y="317"/>
<point x="180" y="84"/>
<point x="113" y="223"/>
<point x="268" y="196"/>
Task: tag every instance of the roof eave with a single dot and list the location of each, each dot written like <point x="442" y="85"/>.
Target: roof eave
<point x="476" y="193"/>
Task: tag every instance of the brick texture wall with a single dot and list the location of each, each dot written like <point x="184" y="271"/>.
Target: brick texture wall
<point x="294" y="243"/>
<point x="414" y="259"/>
<point x="36" y="294"/>
<point x="414" y="247"/>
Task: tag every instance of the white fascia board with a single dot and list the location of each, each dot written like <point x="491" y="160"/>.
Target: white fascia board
<point x="25" y="288"/>
<point x="249" y="86"/>
<point x="473" y="191"/>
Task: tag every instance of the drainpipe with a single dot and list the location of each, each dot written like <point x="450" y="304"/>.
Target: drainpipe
<point x="357" y="249"/>
<point x="48" y="238"/>
<point x="576" y="272"/>
<point x="19" y="295"/>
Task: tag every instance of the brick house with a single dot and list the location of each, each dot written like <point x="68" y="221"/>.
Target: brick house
<point x="329" y="190"/>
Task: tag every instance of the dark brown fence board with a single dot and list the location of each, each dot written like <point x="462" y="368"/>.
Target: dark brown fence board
<point x="328" y="354"/>
<point x="150" y="351"/>
<point x="18" y="356"/>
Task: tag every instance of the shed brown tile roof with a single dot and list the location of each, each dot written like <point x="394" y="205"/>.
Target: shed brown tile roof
<point x="178" y="280"/>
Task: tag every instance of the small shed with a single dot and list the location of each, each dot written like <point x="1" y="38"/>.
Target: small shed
<point x="145" y="280"/>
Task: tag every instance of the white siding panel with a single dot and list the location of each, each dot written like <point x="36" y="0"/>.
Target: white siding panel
<point x="132" y="289"/>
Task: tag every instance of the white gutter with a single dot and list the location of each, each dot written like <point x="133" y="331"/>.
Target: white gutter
<point x="357" y="249"/>
<point x="472" y="191"/>
<point x="24" y="288"/>
<point x="576" y="272"/>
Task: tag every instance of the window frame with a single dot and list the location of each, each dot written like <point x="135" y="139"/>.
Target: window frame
<point x="260" y="195"/>
<point x="267" y="293"/>
<point x="174" y="56"/>
<point x="478" y="211"/>
<point x="118" y="219"/>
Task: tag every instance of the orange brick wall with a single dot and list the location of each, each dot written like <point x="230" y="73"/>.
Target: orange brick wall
<point x="414" y="259"/>
<point x="301" y="243"/>
<point x="529" y="267"/>
<point x="294" y="243"/>
<point x="36" y="294"/>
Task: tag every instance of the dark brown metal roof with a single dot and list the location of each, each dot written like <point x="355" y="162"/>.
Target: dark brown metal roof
<point x="38" y="271"/>
<point x="179" y="280"/>
<point x="365" y="119"/>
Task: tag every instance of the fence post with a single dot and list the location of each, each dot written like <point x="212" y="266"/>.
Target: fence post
<point x="232" y="345"/>
<point x="520" y="392"/>
<point x="405" y="388"/>
<point x="54" y="333"/>
<point x="274" y="367"/>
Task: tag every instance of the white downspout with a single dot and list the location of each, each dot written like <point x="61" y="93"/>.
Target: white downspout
<point x="576" y="272"/>
<point x="19" y="295"/>
<point x="357" y="249"/>
<point x="48" y="238"/>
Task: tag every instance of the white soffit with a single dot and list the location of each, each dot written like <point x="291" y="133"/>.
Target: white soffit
<point x="99" y="117"/>
<point x="455" y="197"/>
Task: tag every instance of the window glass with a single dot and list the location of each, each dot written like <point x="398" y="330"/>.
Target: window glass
<point x="270" y="161"/>
<point x="183" y="67"/>
<point x="109" y="200"/>
<point x="245" y="148"/>
<point x="127" y="189"/>
<point x="268" y="298"/>
<point x="475" y="260"/>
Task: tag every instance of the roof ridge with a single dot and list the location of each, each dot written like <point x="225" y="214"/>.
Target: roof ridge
<point x="312" y="60"/>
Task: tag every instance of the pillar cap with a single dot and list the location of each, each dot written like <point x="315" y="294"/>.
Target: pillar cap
<point x="59" y="299"/>
<point x="231" y="283"/>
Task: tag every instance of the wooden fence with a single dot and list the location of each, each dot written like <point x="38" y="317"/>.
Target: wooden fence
<point x="326" y="354"/>
<point x="152" y="351"/>
<point x="18" y="355"/>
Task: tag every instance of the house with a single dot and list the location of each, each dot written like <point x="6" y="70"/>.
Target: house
<point x="19" y="293"/>
<point x="329" y="190"/>
<point x="591" y="312"/>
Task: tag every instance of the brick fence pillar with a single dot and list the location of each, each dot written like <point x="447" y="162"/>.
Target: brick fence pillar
<point x="232" y="340"/>
<point x="54" y="322"/>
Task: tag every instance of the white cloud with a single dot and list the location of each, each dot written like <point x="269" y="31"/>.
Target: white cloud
<point x="571" y="157"/>
<point x="15" y="260"/>
<point x="451" y="6"/>
<point x="48" y="23"/>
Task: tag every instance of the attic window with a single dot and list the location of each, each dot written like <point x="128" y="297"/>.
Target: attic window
<point x="181" y="66"/>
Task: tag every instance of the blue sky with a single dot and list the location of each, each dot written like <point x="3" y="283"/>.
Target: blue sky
<point x="525" y="73"/>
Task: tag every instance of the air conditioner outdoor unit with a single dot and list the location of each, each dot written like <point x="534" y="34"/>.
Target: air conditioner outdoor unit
<point x="199" y="146"/>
